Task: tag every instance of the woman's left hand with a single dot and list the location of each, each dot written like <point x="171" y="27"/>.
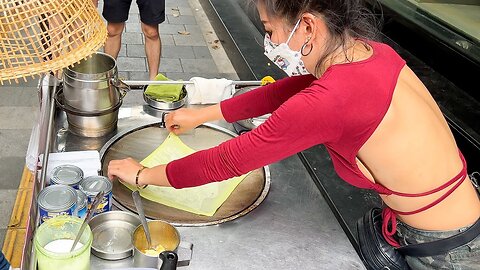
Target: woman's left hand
<point x="124" y="169"/>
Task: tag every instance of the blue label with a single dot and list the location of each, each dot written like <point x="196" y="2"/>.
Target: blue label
<point x="104" y="206"/>
<point x="45" y="215"/>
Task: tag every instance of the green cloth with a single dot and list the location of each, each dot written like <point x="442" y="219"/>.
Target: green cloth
<point x="165" y="92"/>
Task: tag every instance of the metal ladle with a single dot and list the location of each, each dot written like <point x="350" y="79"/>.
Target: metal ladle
<point x="138" y="204"/>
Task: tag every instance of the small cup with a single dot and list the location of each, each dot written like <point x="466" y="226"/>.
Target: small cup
<point x="162" y="234"/>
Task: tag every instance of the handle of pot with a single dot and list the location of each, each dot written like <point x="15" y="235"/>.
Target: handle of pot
<point x="121" y="87"/>
<point x="169" y="260"/>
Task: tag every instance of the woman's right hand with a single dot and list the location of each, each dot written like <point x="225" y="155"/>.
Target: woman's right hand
<point x="182" y="120"/>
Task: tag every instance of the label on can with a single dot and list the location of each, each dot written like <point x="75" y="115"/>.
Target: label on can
<point x="82" y="202"/>
<point x="92" y="185"/>
<point x="56" y="200"/>
<point x="69" y="175"/>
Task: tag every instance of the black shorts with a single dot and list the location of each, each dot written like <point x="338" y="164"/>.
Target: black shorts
<point x="152" y="12"/>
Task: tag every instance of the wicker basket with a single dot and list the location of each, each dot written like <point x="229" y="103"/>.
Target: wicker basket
<point x="39" y="36"/>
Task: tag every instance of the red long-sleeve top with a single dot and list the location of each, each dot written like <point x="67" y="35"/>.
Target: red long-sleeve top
<point x="341" y="110"/>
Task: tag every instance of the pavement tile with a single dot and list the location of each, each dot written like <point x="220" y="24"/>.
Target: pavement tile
<point x="176" y="3"/>
<point x="123" y="75"/>
<point x="169" y="51"/>
<point x="139" y="76"/>
<point x="131" y="64"/>
<point x="14" y="142"/>
<point x="188" y="75"/>
<point x="123" y="50"/>
<point x="134" y="9"/>
<point x="167" y="39"/>
<point x="166" y="28"/>
<point x="190" y="40"/>
<point x="133" y="28"/>
<point x="18" y="96"/>
<point x="201" y="52"/>
<point x="7" y="200"/>
<point x="133" y="18"/>
<point x="18" y="117"/>
<point x="23" y="82"/>
<point x="132" y="38"/>
<point x="11" y="171"/>
<point x="170" y="65"/>
<point x="3" y="233"/>
<point x="135" y="50"/>
<point x="193" y="28"/>
<point x="182" y="19"/>
<point x="185" y="10"/>
<point x="134" y="98"/>
<point x="206" y="66"/>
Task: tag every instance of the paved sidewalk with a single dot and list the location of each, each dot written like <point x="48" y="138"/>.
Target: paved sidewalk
<point x="190" y="48"/>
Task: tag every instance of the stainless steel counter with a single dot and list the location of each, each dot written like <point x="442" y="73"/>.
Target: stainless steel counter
<point x="293" y="228"/>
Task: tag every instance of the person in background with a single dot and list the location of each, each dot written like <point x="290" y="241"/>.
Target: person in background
<point x="152" y="13"/>
<point x="356" y="96"/>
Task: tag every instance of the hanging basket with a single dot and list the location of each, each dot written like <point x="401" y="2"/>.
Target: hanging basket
<point x="39" y="36"/>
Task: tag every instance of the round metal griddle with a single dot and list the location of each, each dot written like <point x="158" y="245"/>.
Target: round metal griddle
<point x="139" y="142"/>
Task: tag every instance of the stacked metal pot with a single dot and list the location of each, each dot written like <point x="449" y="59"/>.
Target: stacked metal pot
<point x="92" y="96"/>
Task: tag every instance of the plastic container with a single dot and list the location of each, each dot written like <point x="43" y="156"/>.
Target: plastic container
<point x="62" y="228"/>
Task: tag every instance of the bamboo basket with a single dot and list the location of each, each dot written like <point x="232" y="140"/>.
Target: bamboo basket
<point x="40" y="36"/>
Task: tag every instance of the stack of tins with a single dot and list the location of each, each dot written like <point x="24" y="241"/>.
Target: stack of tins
<point x="69" y="193"/>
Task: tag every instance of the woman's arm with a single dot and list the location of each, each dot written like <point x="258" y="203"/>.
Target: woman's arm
<point x="311" y="117"/>
<point x="254" y="103"/>
<point x="264" y="99"/>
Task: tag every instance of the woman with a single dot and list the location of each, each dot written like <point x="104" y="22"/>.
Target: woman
<point x="379" y="123"/>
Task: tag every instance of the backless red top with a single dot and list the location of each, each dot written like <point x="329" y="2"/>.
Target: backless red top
<point x="341" y="110"/>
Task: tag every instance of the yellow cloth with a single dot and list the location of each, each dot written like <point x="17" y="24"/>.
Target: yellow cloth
<point x="203" y="200"/>
<point x="166" y="92"/>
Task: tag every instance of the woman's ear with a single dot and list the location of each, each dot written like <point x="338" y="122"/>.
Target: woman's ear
<point x="309" y="25"/>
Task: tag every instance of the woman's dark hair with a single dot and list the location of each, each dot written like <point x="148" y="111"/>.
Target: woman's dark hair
<point x="345" y="19"/>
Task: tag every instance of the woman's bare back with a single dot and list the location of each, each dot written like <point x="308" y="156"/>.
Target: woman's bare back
<point x="417" y="154"/>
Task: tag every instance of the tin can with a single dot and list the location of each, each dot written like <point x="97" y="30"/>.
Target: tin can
<point x="56" y="200"/>
<point x="69" y="175"/>
<point x="92" y="185"/>
<point x="81" y="208"/>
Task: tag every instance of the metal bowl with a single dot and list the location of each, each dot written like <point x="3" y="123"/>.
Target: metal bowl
<point x="113" y="234"/>
<point x="164" y="105"/>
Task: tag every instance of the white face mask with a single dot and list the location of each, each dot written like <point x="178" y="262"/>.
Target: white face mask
<point x="285" y="58"/>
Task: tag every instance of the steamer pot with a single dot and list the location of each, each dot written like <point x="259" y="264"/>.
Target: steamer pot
<point x="89" y="124"/>
<point x="93" y="84"/>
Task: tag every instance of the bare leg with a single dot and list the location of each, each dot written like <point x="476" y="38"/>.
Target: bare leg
<point x="153" y="48"/>
<point x="114" y="40"/>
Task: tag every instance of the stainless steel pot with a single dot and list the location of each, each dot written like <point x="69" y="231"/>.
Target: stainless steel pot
<point x="93" y="84"/>
<point x="92" y="123"/>
<point x="163" y="235"/>
<point x="250" y="123"/>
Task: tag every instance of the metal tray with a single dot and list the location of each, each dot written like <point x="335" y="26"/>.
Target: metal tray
<point x="140" y="141"/>
<point x="112" y="234"/>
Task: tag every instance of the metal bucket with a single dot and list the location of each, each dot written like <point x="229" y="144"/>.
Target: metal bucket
<point x="92" y="84"/>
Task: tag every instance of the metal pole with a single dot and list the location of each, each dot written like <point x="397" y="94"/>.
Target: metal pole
<point x="185" y="82"/>
<point x="49" y="132"/>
